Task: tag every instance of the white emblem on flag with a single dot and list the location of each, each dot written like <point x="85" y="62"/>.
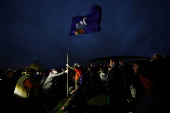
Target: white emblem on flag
<point x="81" y="24"/>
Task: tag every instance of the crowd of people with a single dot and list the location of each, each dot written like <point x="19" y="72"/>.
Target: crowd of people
<point x="138" y="87"/>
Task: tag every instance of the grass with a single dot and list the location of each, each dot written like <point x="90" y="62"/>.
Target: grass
<point x="60" y="105"/>
<point x="99" y="101"/>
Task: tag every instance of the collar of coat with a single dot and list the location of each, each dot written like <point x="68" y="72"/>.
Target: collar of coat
<point x="113" y="66"/>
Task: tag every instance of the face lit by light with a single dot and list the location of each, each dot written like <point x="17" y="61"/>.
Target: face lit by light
<point x="135" y="67"/>
<point x="88" y="69"/>
<point x="111" y="63"/>
<point x="121" y="63"/>
<point x="55" y="72"/>
<point x="10" y="75"/>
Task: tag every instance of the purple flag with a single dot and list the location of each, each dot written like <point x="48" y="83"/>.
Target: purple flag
<point x="87" y="24"/>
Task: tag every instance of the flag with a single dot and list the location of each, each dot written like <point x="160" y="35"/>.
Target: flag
<point x="87" y="24"/>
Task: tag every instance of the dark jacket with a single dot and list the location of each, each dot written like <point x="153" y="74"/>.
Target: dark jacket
<point x="7" y="86"/>
<point x="127" y="73"/>
<point x="156" y="100"/>
<point x="48" y="82"/>
<point x="115" y="82"/>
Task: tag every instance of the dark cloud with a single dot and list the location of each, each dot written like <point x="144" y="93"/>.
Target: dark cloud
<point x="39" y="30"/>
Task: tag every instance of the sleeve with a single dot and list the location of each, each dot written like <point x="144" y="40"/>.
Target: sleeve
<point x="108" y="82"/>
<point x="51" y="76"/>
<point x="55" y="75"/>
<point x="72" y="68"/>
<point x="109" y="79"/>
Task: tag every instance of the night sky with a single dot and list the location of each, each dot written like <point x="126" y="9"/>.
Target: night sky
<point x="33" y="30"/>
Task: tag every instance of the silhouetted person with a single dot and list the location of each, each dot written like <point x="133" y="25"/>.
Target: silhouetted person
<point x="78" y="69"/>
<point x="7" y="89"/>
<point x="154" y="78"/>
<point x="38" y="76"/>
<point x="127" y="76"/>
<point x="157" y="57"/>
<point x="26" y="86"/>
<point x="17" y="74"/>
<point x="47" y="86"/>
<point x="136" y="87"/>
<point x="114" y="86"/>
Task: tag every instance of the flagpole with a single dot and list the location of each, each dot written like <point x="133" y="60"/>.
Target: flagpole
<point x="67" y="60"/>
<point x="67" y="63"/>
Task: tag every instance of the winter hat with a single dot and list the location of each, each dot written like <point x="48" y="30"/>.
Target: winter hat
<point x="53" y="70"/>
<point x="71" y="89"/>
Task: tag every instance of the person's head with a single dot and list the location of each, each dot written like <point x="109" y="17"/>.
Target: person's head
<point x="76" y="65"/>
<point x="54" y="71"/>
<point x="153" y="73"/>
<point x="71" y="90"/>
<point x="113" y="62"/>
<point x="91" y="65"/>
<point x="30" y="71"/>
<point x="41" y="72"/>
<point x="9" y="73"/>
<point x="157" y="56"/>
<point x="101" y="70"/>
<point x="145" y="72"/>
<point x="137" y="63"/>
<point x="63" y="69"/>
<point x="121" y="63"/>
<point x="44" y="73"/>
<point x="88" y="69"/>
<point x="38" y="72"/>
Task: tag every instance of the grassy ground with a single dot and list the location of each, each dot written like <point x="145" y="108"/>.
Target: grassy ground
<point x="98" y="102"/>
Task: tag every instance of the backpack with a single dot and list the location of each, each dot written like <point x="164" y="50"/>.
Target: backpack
<point x="83" y="80"/>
